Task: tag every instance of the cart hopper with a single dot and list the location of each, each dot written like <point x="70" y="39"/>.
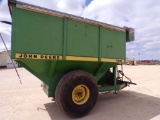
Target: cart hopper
<point x="71" y="55"/>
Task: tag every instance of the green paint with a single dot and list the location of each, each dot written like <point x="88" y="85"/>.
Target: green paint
<point x="38" y="33"/>
<point x="115" y="75"/>
<point x="82" y="39"/>
<point x="100" y="42"/>
<point x="64" y="37"/>
<point x="106" y="87"/>
<point x="113" y="44"/>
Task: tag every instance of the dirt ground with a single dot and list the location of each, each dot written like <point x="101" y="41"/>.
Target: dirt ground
<point x="27" y="101"/>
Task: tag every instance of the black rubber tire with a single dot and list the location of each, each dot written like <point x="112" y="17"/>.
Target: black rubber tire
<point x="63" y="96"/>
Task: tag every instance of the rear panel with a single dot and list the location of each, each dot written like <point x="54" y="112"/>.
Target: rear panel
<point x="113" y="44"/>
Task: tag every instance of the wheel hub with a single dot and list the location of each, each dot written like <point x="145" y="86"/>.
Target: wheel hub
<point x="80" y="94"/>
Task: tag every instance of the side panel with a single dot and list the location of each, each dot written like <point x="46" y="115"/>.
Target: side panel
<point x="36" y="33"/>
<point x="82" y="39"/>
<point x="113" y="44"/>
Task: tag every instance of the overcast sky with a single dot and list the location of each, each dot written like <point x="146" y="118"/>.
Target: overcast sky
<point x="142" y="15"/>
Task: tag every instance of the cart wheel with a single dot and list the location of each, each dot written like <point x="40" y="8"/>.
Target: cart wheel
<point x="76" y="93"/>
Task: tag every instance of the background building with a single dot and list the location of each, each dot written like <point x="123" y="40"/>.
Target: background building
<point x="5" y="60"/>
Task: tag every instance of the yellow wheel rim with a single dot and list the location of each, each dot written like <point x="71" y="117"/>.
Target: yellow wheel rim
<point x="80" y="94"/>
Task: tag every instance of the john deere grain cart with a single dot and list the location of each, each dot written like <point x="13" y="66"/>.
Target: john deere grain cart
<point x="74" y="57"/>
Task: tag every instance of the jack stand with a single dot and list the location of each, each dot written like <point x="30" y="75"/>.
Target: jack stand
<point x="115" y="92"/>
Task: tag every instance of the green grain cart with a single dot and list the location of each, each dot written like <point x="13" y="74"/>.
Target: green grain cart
<point x="74" y="57"/>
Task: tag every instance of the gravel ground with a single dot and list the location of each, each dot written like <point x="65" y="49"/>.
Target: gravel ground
<point x="27" y="101"/>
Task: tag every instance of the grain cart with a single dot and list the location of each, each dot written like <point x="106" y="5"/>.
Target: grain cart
<point x="74" y="57"/>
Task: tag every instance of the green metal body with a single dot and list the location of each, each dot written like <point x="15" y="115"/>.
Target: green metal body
<point x="50" y="44"/>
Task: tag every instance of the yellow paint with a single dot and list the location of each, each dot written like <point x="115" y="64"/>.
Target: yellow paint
<point x="59" y="57"/>
<point x="38" y="56"/>
<point x="80" y="94"/>
<point x="112" y="60"/>
<point x="81" y="58"/>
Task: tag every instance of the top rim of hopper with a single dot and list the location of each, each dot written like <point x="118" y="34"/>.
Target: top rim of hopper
<point x="26" y="6"/>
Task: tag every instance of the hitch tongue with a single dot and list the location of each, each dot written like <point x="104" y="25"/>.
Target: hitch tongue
<point x="130" y="82"/>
